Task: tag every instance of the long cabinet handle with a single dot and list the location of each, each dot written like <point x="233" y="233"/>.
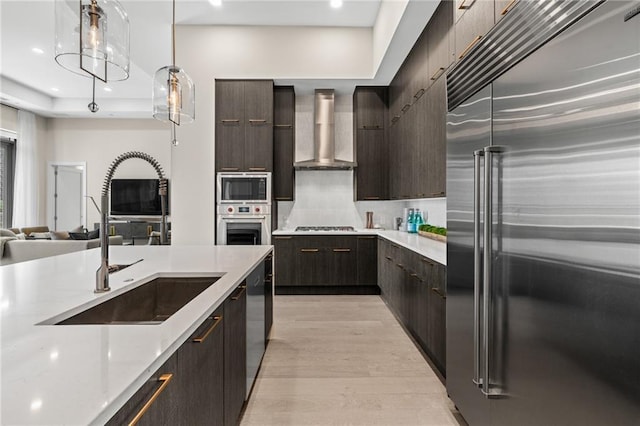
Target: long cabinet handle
<point x="508" y="7"/>
<point x="256" y="122"/>
<point x="438" y="292"/>
<point x="406" y="107"/>
<point x="437" y="74"/>
<point x="282" y="238"/>
<point x="257" y="169"/>
<point x="202" y="338"/>
<point x="342" y="250"/>
<point x="231" y="121"/>
<point x="370" y="198"/>
<point x="487" y="337"/>
<point x="376" y="127"/>
<point x="283" y="199"/>
<point x="164" y="381"/>
<point x="242" y="288"/>
<point x="463" y="6"/>
<point x="229" y="169"/>
<point x="283" y="126"/>
<point x="388" y="258"/>
<point x="477" y="265"/>
<point x="309" y="250"/>
<point x="469" y="47"/>
<point x="367" y="237"/>
<point x="437" y="194"/>
<point x="418" y="94"/>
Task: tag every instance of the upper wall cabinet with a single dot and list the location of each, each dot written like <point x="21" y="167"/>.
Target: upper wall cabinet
<point x="284" y="106"/>
<point x="476" y="18"/>
<point x="244" y="125"/>
<point x="440" y="41"/>
<point x="370" y="111"/>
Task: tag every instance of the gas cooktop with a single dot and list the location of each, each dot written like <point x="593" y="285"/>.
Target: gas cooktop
<point x="325" y="228"/>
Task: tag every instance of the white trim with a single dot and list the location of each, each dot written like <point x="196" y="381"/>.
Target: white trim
<point x="50" y="183"/>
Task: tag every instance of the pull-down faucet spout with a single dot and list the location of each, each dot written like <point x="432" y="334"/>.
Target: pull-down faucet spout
<point x="102" y="274"/>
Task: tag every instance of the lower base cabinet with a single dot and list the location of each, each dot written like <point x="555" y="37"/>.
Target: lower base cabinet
<point x="205" y="380"/>
<point x="413" y="287"/>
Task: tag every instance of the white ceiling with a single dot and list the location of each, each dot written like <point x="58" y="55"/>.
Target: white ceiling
<point x="28" y="24"/>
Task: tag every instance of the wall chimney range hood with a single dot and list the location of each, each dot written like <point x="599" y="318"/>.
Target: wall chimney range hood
<point x="324" y="142"/>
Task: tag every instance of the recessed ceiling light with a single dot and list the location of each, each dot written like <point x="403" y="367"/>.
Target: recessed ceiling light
<point x="107" y="89"/>
<point x="216" y="2"/>
<point x="37" y="50"/>
<point x="55" y="89"/>
<point x="336" y="3"/>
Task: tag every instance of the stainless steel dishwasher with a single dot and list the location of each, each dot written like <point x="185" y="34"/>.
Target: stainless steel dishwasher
<point x="255" y="323"/>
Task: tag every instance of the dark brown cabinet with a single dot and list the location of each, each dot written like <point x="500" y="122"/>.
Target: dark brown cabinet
<point x="244" y="125"/>
<point x="283" y="142"/>
<point x="476" y="19"/>
<point x="370" y="110"/>
<point x="434" y="152"/>
<point x="200" y="373"/>
<point x="235" y="355"/>
<point x="413" y="287"/>
<point x="367" y="265"/>
<point x="268" y="297"/>
<point x="162" y="394"/>
<point x="440" y="40"/>
<point x="324" y="264"/>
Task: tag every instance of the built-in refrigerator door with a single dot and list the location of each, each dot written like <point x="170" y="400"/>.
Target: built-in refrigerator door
<point x="468" y="132"/>
<point x="566" y="271"/>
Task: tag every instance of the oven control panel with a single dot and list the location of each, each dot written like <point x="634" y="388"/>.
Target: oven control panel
<point x="244" y="209"/>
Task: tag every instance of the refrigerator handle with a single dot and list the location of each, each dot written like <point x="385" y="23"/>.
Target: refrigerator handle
<point x="477" y="265"/>
<point x="487" y="323"/>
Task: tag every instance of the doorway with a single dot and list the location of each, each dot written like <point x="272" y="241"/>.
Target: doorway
<point x="66" y="189"/>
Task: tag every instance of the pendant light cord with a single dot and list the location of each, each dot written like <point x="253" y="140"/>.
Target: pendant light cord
<point x="173" y="36"/>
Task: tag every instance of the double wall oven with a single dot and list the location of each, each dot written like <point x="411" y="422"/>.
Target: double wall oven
<point x="243" y="208"/>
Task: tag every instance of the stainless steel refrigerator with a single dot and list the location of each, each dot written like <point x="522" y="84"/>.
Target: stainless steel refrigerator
<point x="543" y="212"/>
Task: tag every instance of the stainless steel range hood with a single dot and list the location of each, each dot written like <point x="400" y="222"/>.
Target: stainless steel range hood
<point x="324" y="141"/>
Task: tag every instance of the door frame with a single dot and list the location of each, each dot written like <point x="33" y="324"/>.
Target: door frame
<point x="51" y="189"/>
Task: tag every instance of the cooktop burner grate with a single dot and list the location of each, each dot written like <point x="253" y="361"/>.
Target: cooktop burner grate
<point x="325" y="228"/>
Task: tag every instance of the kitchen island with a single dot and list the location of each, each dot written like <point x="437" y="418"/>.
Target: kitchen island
<point x="83" y="374"/>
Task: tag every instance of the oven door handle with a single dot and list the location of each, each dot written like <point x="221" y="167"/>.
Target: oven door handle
<point x="243" y="219"/>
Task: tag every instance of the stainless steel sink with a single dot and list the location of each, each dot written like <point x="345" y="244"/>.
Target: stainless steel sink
<point x="150" y="303"/>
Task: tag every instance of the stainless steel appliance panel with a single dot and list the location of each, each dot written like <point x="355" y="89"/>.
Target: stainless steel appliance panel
<point x="468" y="130"/>
<point x="566" y="271"/>
<point x="256" y="342"/>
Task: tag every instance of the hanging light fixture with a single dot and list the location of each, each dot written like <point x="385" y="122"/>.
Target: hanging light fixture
<point x="173" y="90"/>
<point x="92" y="40"/>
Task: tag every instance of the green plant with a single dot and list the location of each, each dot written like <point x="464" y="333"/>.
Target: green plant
<point x="433" y="229"/>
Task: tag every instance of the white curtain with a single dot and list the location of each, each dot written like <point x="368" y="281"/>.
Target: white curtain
<point x="26" y="194"/>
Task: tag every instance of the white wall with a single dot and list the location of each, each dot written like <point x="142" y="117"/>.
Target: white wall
<point x="8" y="118"/>
<point x="99" y="142"/>
<point x="207" y="53"/>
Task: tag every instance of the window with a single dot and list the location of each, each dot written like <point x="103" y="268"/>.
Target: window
<point x="7" y="173"/>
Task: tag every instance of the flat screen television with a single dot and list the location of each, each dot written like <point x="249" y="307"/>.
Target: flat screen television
<point x="136" y="197"/>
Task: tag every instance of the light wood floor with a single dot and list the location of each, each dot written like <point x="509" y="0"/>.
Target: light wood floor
<point x="344" y="360"/>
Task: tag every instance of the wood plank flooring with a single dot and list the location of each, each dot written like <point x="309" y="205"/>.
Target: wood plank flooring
<point x="344" y="360"/>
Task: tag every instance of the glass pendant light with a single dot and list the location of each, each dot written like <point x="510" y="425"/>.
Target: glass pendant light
<point x="92" y="40"/>
<point x="173" y="90"/>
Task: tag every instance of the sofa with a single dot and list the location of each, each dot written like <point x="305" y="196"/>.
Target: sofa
<point x="16" y="250"/>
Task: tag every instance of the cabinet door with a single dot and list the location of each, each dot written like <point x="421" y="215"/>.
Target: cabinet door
<point x="408" y="164"/>
<point x="476" y="21"/>
<point x="420" y="147"/>
<point x="258" y="101"/>
<point x="230" y="127"/>
<point x="162" y="389"/>
<point x="502" y="7"/>
<point x="343" y="261"/>
<point x="200" y="376"/>
<point x="440" y="33"/>
<point x="367" y="260"/>
<point x="436" y="156"/>
<point x="311" y="265"/>
<point x="371" y="175"/>
<point x="370" y="104"/>
<point x="285" y="260"/>
<point x="418" y="67"/>
<point x="283" y="142"/>
<point x="437" y="314"/>
<point x="235" y="355"/>
<point x="394" y="161"/>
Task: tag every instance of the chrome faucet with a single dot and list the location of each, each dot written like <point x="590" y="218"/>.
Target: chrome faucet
<point x="102" y="274"/>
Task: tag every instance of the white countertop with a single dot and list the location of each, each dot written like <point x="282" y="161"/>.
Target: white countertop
<point x="434" y="250"/>
<point x="82" y="374"/>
